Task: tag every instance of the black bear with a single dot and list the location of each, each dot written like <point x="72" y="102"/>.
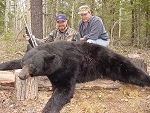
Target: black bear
<point x="67" y="63"/>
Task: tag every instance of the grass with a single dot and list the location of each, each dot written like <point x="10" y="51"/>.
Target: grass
<point x="11" y="48"/>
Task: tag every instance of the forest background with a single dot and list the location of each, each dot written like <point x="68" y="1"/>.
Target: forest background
<point x="127" y="21"/>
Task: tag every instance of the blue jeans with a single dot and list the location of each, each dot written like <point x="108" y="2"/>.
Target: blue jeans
<point x="99" y="42"/>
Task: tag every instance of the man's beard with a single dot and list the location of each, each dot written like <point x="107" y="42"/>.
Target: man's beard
<point x="61" y="28"/>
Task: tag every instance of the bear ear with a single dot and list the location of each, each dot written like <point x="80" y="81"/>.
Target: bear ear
<point x="49" y="57"/>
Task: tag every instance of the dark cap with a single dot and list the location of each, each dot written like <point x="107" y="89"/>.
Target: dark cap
<point x="60" y="17"/>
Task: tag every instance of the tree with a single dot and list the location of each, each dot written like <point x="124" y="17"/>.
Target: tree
<point x="2" y="13"/>
<point x="6" y="16"/>
<point x="37" y="18"/>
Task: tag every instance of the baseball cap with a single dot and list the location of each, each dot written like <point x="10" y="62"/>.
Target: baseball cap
<point x="60" y="17"/>
<point x="84" y="9"/>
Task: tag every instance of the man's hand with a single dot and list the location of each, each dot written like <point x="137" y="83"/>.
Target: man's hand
<point x="82" y="39"/>
<point x="26" y="37"/>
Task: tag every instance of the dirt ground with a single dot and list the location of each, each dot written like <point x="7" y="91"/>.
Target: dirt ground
<point x="125" y="98"/>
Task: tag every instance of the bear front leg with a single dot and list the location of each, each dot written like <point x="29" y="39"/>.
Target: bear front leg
<point x="61" y="96"/>
<point x="10" y="65"/>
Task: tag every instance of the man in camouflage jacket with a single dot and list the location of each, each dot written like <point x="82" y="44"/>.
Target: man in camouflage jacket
<point x="62" y="32"/>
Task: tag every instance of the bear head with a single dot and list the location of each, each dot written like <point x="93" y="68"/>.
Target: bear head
<point x="35" y="63"/>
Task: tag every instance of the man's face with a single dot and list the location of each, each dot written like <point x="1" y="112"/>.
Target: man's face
<point x="61" y="25"/>
<point x="85" y="17"/>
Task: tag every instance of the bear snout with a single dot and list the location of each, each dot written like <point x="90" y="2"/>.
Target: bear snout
<point x="23" y="77"/>
<point x="24" y="74"/>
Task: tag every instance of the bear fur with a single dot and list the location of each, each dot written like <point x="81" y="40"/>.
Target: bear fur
<point x="10" y="65"/>
<point x="67" y="63"/>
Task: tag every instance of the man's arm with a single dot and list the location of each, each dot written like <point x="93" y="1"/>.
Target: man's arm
<point x="95" y="30"/>
<point x="38" y="41"/>
<point x="76" y="37"/>
<point x="51" y="36"/>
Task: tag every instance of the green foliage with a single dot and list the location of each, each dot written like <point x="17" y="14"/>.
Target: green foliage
<point x="10" y="16"/>
<point x="2" y="10"/>
<point x="2" y="6"/>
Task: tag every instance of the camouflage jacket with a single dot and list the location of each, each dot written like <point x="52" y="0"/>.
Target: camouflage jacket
<point x="69" y="35"/>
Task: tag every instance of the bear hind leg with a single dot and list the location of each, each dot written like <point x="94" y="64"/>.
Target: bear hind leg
<point x="135" y="76"/>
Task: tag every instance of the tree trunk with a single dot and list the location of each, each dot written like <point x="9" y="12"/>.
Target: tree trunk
<point x="44" y="17"/>
<point x="139" y="25"/>
<point x="132" y="27"/>
<point x="138" y="61"/>
<point x="120" y="18"/>
<point x="104" y="7"/>
<point x="7" y="78"/>
<point x="92" y="6"/>
<point x="57" y="5"/>
<point x="26" y="89"/>
<point x="16" y="16"/>
<point x="136" y="26"/>
<point x="37" y="18"/>
<point x="147" y="34"/>
<point x="113" y="23"/>
<point x="72" y="17"/>
<point x="6" y="16"/>
<point x="28" y="12"/>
